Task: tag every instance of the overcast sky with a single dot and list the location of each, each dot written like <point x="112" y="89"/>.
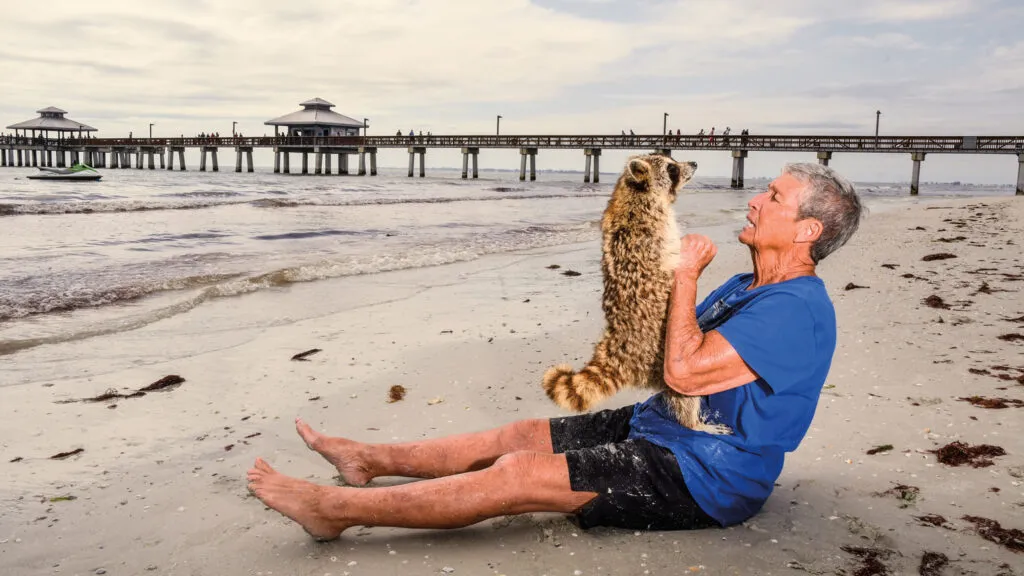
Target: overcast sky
<point x="547" y="66"/>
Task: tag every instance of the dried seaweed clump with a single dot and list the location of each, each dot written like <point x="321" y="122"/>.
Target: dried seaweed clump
<point x="932" y="564"/>
<point x="993" y="532"/>
<point x="959" y="453"/>
<point x="396" y="393"/>
<point x="870" y="560"/>
<point x="907" y="495"/>
<point x="992" y="403"/>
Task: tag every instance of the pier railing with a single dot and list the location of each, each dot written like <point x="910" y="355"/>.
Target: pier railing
<point x="781" y="143"/>
<point x="24" y="151"/>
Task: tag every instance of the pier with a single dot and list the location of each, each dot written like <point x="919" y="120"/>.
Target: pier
<point x="140" y="152"/>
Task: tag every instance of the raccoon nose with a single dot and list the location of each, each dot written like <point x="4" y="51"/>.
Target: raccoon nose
<point x="692" y="165"/>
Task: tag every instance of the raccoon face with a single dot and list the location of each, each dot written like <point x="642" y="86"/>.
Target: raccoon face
<point x="659" y="173"/>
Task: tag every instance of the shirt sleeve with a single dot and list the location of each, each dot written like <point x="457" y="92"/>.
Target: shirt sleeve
<point x="774" y="335"/>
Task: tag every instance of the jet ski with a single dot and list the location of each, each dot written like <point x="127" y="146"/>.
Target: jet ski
<point x="76" y="172"/>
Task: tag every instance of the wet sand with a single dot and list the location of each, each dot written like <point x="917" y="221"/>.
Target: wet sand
<point x="159" y="486"/>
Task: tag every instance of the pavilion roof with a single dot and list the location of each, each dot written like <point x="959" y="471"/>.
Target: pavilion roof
<point x="315" y="112"/>
<point x="316" y="102"/>
<point x="52" y="124"/>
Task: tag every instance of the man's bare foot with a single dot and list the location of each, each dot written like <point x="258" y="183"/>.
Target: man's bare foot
<point x="345" y="455"/>
<point x="297" y="499"/>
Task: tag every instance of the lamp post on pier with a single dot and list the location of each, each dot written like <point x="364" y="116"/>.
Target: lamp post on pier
<point x="878" y="116"/>
<point x="233" y="132"/>
<point x="497" y="130"/>
<point x="151" y="130"/>
<point x="365" y="125"/>
<point x="664" y="123"/>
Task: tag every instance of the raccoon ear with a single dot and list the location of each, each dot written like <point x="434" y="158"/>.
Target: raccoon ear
<point x="638" y="170"/>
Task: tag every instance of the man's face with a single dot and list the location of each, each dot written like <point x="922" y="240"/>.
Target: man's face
<point x="772" y="220"/>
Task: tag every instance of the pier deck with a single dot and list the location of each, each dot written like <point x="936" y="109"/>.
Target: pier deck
<point x="23" y="151"/>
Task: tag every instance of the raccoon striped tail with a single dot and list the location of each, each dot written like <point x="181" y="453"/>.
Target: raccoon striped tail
<point x="577" y="391"/>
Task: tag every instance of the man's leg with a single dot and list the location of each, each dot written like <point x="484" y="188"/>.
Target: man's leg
<point x="516" y="483"/>
<point x="359" y="463"/>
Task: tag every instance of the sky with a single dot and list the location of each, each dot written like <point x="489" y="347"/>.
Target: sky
<point x="942" y="67"/>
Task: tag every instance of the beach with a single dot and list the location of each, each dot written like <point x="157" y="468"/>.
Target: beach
<point x="159" y="486"/>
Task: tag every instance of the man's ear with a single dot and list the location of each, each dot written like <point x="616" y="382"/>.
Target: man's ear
<point x="809" y="230"/>
<point x="638" y="170"/>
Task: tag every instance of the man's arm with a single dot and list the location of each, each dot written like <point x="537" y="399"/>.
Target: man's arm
<point x="697" y="364"/>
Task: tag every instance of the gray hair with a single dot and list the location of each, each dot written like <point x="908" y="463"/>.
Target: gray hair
<point x="830" y="199"/>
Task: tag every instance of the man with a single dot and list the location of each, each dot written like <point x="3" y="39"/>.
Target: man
<point x="759" y="347"/>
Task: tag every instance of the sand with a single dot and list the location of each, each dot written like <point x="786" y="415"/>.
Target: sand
<point x="159" y="486"/>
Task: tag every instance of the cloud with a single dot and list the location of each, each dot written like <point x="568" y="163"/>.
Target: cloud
<point x="584" y="66"/>
<point x="879" y="41"/>
<point x="908" y="11"/>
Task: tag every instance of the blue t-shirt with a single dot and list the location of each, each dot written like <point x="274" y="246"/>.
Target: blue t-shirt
<point x="786" y="333"/>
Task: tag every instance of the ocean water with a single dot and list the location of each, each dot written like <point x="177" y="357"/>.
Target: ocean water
<point x="80" y="259"/>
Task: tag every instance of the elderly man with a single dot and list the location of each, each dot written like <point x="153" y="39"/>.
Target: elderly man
<point x="759" y="347"/>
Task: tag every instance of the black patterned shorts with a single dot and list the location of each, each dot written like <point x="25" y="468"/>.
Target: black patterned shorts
<point x="639" y="484"/>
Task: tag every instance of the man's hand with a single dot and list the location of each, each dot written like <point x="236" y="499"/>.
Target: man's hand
<point x="696" y="251"/>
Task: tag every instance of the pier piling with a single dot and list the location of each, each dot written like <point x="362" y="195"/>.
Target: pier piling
<point x="372" y="151"/>
<point x="595" y="155"/>
<point x="202" y="158"/>
<point x="1020" y="175"/>
<point x="413" y="151"/>
<point x="532" y="153"/>
<point x="318" y="158"/>
<point x="287" y="161"/>
<point x="915" y="178"/>
<point x="305" y="162"/>
<point x="327" y="162"/>
<point x="738" y="157"/>
<point x="342" y="164"/>
<point x="466" y="153"/>
<point x="181" y="158"/>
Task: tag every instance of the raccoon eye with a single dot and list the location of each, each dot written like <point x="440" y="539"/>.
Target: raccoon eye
<point x="673" y="172"/>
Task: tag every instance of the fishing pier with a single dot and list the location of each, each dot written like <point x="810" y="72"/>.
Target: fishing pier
<point x="318" y="131"/>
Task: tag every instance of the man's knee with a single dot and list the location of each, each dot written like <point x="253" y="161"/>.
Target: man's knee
<point x="533" y="435"/>
<point x="517" y="464"/>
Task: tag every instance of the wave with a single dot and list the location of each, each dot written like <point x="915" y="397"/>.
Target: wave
<point x="108" y="206"/>
<point x="113" y="206"/>
<point x="214" y="286"/>
<point x="341" y="202"/>
<point x="68" y="300"/>
<point x="204" y="194"/>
